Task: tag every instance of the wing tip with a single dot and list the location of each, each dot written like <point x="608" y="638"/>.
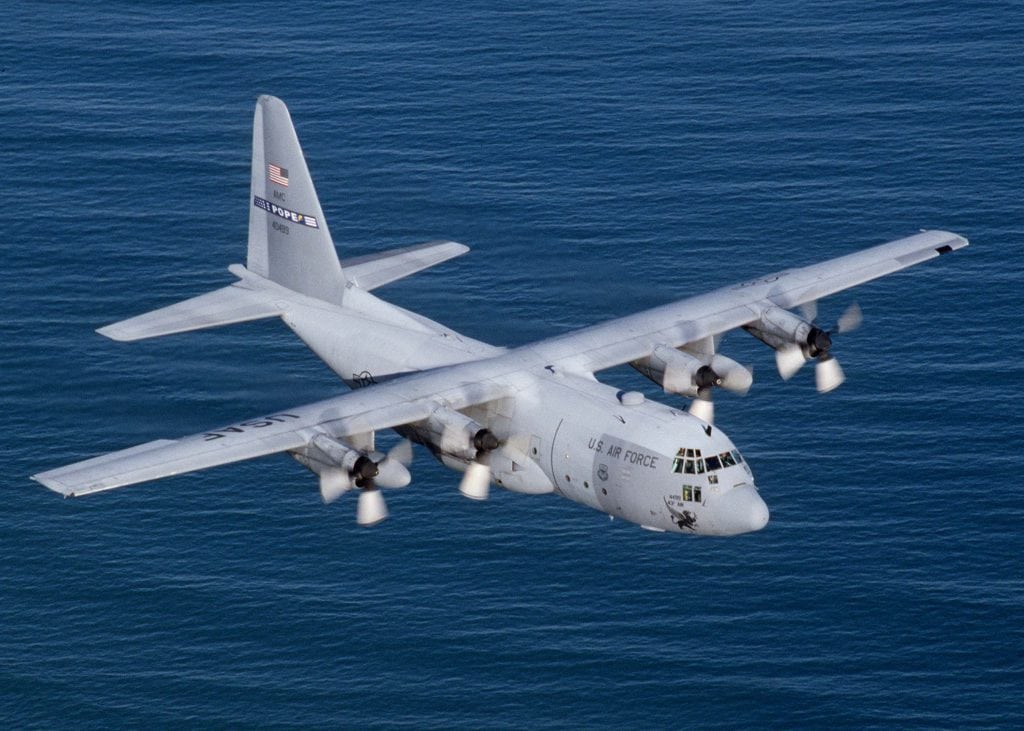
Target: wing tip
<point x="951" y="241"/>
<point x="114" y="332"/>
<point x="455" y="246"/>
<point x="44" y="479"/>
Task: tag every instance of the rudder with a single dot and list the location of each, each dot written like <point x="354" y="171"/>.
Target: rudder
<point x="289" y="242"/>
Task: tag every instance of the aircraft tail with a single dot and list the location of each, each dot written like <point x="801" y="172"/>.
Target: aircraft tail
<point x="289" y="242"/>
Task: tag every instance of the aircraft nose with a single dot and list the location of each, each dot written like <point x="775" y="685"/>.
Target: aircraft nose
<point x="742" y="511"/>
<point x="758" y="513"/>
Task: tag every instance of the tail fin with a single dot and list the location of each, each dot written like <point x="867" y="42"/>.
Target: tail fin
<point x="289" y="242"/>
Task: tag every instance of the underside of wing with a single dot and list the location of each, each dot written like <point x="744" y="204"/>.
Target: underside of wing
<point x="383" y="406"/>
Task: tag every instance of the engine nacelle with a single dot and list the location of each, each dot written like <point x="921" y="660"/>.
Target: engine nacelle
<point x="678" y="371"/>
<point x="337" y="454"/>
<point x="779" y="328"/>
<point x="454" y="433"/>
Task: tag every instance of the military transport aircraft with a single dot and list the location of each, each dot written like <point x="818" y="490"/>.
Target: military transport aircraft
<point x="532" y="419"/>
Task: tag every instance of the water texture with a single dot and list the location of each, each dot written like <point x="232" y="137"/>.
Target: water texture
<point x="599" y="159"/>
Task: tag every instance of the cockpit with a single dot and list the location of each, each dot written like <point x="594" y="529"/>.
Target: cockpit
<point x="693" y="462"/>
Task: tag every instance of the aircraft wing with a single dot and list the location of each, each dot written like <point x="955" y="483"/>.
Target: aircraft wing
<point x="686" y="321"/>
<point x="401" y="401"/>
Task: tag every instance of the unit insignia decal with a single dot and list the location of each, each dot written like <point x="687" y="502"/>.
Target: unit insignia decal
<point x="285" y="213"/>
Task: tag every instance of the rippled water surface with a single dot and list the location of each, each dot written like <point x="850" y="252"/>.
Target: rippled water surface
<point x="599" y="160"/>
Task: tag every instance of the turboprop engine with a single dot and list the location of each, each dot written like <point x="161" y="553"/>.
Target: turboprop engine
<point x="796" y="339"/>
<point x="678" y="371"/>
<point x="342" y="467"/>
<point x="452" y="433"/>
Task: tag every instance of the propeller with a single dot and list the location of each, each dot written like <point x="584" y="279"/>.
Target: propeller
<point x="371" y="508"/>
<point x="850" y="320"/>
<point x="703" y="407"/>
<point x="789" y="359"/>
<point x="828" y="375"/>
<point x="369" y="473"/>
<point x="721" y="372"/>
<point x="476" y="480"/>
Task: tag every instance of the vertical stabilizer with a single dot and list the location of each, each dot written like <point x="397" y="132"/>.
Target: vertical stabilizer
<point x="289" y="242"/>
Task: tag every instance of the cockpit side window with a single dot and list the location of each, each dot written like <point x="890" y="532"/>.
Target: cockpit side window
<point x="727" y="460"/>
<point x="713" y="463"/>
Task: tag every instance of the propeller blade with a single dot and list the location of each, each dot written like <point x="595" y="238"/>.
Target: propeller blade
<point x="371" y="509"/>
<point x="703" y="409"/>
<point x="392" y="473"/>
<point x="401" y="452"/>
<point x="735" y="378"/>
<point x="850" y="320"/>
<point x="828" y="375"/>
<point x="334" y="483"/>
<point x="789" y="359"/>
<point x="476" y="481"/>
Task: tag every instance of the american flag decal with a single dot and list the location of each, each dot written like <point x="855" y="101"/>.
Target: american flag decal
<point x="277" y="174"/>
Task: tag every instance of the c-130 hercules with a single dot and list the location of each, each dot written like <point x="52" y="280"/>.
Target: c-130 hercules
<point x="533" y="419"/>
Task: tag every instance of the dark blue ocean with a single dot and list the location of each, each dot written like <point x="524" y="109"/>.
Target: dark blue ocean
<point x="599" y="158"/>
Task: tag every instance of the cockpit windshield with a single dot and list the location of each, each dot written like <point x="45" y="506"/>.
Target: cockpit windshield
<point x="693" y="462"/>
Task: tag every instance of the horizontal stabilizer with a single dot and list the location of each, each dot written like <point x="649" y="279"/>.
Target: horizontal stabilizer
<point x="376" y="270"/>
<point x="224" y="306"/>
